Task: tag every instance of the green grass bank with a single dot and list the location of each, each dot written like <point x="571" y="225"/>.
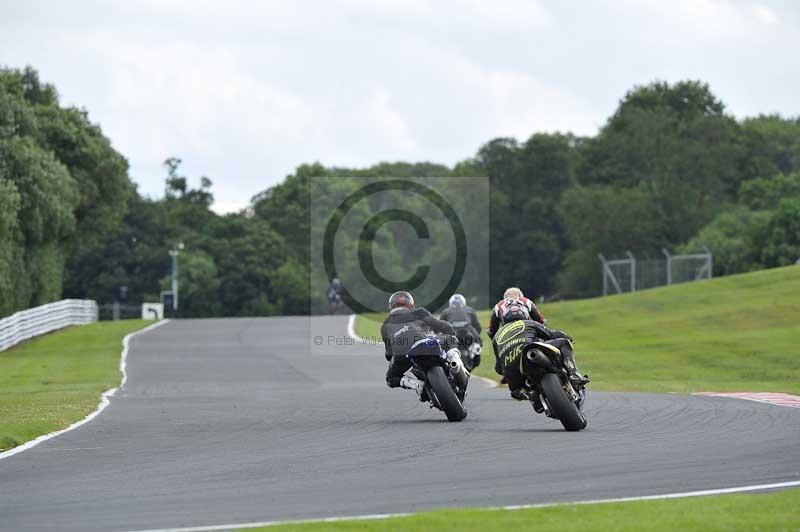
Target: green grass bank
<point x="762" y="511"/>
<point x="52" y="381"/>
<point x="735" y="333"/>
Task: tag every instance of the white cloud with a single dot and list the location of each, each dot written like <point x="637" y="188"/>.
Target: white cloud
<point x="508" y="14"/>
<point x="766" y="15"/>
<point x="245" y="91"/>
<point x="710" y="19"/>
<point x="523" y="104"/>
<point x="381" y="118"/>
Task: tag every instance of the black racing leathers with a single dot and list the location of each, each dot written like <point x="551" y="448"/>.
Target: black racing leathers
<point x="460" y="316"/>
<point x="510" y="339"/>
<point x="465" y="322"/>
<point x="400" y="330"/>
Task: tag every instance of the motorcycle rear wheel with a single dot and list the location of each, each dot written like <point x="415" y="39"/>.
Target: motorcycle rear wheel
<point x="561" y="406"/>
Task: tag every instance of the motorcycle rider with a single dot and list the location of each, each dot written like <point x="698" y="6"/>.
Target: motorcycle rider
<point x="465" y="321"/>
<point x="334" y="293"/>
<point x="511" y="294"/>
<point x="407" y="328"/>
<point x="508" y="358"/>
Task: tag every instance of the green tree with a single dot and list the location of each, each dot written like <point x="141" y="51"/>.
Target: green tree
<point x="61" y="186"/>
<point x="662" y="135"/>
<point x="782" y="244"/>
<point x="766" y="193"/>
<point x="48" y="195"/>
<point x="248" y="252"/>
<point x="198" y="284"/>
<point x="134" y="254"/>
<point x="9" y="208"/>
<point x="100" y="172"/>
<point x="606" y="220"/>
<point x="777" y="139"/>
<point x="734" y="238"/>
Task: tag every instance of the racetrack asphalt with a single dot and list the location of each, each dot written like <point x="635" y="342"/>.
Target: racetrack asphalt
<point x="240" y="420"/>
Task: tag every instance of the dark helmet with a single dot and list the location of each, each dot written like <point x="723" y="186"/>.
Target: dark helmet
<point x="401" y="299"/>
<point x="515" y="311"/>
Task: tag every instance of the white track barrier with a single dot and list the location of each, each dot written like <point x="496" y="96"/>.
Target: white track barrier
<point x="35" y="321"/>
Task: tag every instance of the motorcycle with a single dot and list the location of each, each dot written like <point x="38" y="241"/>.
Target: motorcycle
<point x="445" y="378"/>
<point x="335" y="303"/>
<point x="547" y="378"/>
<point x="468" y="346"/>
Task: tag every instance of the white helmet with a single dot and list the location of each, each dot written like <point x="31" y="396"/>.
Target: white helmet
<point x="513" y="293"/>
<point x="457" y="300"/>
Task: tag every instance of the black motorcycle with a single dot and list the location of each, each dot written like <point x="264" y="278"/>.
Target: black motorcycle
<point x="445" y="379"/>
<point x="547" y="378"/>
<point x="468" y="345"/>
<point x="335" y="303"/>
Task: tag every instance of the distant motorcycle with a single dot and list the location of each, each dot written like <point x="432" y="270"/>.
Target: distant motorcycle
<point x="547" y="378"/>
<point x="335" y="303"/>
<point x="445" y="379"/>
<point x="469" y="346"/>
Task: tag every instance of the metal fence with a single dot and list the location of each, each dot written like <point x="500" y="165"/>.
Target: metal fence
<point x="32" y="322"/>
<point x="631" y="274"/>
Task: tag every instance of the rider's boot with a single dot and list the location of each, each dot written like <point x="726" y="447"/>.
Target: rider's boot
<point x="412" y="383"/>
<point x="519" y="394"/>
<point x="475" y="351"/>
<point x="536" y="401"/>
<point x="572" y="373"/>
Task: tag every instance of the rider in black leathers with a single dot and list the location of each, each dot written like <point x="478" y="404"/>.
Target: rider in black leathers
<point x="465" y="321"/>
<point x="401" y="330"/>
<point x="508" y="359"/>
<point x="334" y="294"/>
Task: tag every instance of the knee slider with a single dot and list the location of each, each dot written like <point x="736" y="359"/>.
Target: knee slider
<point x="393" y="382"/>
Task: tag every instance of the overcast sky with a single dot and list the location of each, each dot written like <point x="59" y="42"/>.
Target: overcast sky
<point x="243" y="91"/>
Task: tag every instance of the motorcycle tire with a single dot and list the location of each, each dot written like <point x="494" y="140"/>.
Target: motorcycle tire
<point x="445" y="395"/>
<point x="561" y="406"/>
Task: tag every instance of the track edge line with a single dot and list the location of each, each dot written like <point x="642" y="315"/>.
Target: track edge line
<point x="376" y="517"/>
<point x="104" y="398"/>
<point x="351" y="329"/>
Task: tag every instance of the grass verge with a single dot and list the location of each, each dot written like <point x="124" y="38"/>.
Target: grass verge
<point x="50" y="382"/>
<point x="764" y="511"/>
<point x="735" y="333"/>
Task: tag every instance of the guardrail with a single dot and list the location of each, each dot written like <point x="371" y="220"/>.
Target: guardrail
<point x="32" y="322"/>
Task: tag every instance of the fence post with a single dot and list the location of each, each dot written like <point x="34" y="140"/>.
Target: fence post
<point x="710" y="260"/>
<point x="633" y="270"/>
<point x="605" y="278"/>
<point x="669" y="265"/>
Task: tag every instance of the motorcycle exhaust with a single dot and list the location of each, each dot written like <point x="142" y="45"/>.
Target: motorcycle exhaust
<point x="455" y="362"/>
<point x="537" y="357"/>
<point x="457" y="368"/>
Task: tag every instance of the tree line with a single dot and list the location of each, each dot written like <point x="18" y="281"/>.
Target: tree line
<point x="669" y="169"/>
<point x="62" y="186"/>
